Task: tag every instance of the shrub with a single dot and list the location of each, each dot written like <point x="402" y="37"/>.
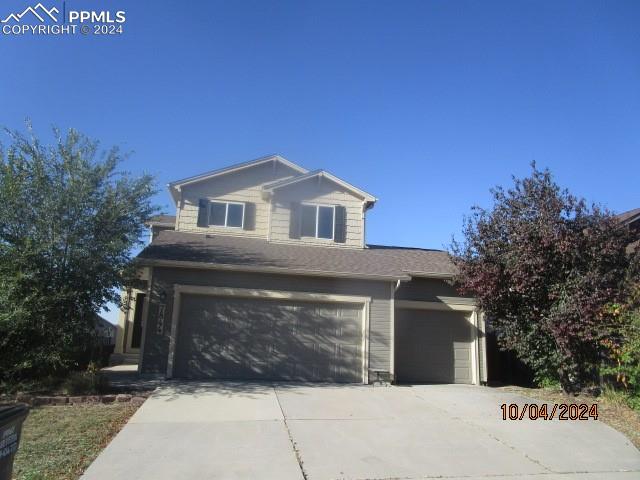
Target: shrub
<point x="85" y="383"/>
<point x="543" y="266"/>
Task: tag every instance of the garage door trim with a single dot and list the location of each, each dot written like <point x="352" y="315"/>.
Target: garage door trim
<point x="472" y="318"/>
<point x="179" y="289"/>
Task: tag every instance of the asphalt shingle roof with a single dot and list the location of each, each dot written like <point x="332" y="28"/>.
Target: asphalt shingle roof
<point x="229" y="251"/>
<point x="628" y="216"/>
<point x="168" y="220"/>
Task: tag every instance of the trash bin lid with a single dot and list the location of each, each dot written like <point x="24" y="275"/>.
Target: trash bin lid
<point x="11" y="412"/>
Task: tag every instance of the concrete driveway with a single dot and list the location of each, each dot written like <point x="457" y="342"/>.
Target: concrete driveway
<point x="262" y="431"/>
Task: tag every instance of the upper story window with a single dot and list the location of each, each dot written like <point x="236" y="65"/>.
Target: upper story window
<point x="317" y="221"/>
<point x="226" y="214"/>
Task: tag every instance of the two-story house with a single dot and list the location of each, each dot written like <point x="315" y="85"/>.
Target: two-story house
<point x="265" y="273"/>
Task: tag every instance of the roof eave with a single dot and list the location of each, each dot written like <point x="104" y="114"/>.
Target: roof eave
<point x="440" y="275"/>
<point x="161" y="224"/>
<point x="274" y="270"/>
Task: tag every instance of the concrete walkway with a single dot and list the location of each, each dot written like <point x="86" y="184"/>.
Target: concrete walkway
<point x="126" y="377"/>
<point x="317" y="432"/>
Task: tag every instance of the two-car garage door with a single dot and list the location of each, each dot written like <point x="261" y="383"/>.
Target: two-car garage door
<point x="245" y="338"/>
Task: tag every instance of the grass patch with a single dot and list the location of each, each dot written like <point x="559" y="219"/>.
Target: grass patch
<point x="60" y="442"/>
<point x="613" y="407"/>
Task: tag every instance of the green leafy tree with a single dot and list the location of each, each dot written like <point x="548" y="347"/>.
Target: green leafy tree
<point x="543" y="266"/>
<point x="68" y="222"/>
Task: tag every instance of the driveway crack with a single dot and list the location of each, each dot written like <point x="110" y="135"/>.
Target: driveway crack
<point x="294" y="445"/>
<point x="487" y="433"/>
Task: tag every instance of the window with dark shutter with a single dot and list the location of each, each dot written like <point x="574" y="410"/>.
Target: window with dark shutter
<point x="218" y="214"/>
<point x="294" y="220"/>
<point x="203" y="215"/>
<point x="235" y="215"/>
<point x="249" y="216"/>
<point x="308" y="220"/>
<point x="340" y="233"/>
<point x="325" y="223"/>
<point x="226" y="214"/>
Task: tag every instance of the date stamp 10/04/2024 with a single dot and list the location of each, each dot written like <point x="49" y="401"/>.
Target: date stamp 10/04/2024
<point x="560" y="411"/>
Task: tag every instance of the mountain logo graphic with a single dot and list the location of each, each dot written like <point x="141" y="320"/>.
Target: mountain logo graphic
<point x="39" y="11"/>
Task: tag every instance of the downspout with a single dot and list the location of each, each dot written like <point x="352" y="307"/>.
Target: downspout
<point x="392" y="333"/>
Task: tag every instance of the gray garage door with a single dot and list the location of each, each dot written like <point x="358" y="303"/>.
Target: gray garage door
<point x="433" y="346"/>
<point x="222" y="337"/>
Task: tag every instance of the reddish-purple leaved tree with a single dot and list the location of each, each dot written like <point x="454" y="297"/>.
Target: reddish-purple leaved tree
<point x="543" y="265"/>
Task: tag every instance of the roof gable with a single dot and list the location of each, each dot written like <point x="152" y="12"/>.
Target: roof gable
<point x="174" y="187"/>
<point x="320" y="174"/>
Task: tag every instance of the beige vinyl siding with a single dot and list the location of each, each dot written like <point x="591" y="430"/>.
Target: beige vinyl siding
<point x="320" y="192"/>
<point x="157" y="344"/>
<point x="427" y="290"/>
<point x="242" y="186"/>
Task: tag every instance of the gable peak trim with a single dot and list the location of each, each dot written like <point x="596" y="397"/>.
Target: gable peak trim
<point x="174" y="187"/>
<point x="320" y="174"/>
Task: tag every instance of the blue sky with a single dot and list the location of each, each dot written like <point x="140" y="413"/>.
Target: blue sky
<point x="424" y="104"/>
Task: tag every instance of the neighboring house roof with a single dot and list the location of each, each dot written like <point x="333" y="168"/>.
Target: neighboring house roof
<point x="162" y="221"/>
<point x="174" y="187"/>
<point x="181" y="249"/>
<point x="630" y="216"/>
<point x="632" y="219"/>
<point x="321" y="174"/>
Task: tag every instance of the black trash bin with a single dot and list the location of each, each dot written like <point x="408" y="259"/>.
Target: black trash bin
<point x="11" y="418"/>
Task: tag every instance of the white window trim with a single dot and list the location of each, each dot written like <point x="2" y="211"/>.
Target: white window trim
<point x="226" y="213"/>
<point x="333" y="221"/>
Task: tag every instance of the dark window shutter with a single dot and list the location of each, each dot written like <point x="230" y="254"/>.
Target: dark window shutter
<point x="340" y="228"/>
<point x="294" y="221"/>
<point x="203" y="220"/>
<point x="249" y="216"/>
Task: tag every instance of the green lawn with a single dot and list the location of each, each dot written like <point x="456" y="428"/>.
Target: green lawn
<point x="60" y="442"/>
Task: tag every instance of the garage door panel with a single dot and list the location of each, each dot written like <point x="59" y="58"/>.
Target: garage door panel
<point x="462" y="354"/>
<point x="433" y="346"/>
<point x="349" y="331"/>
<point x="462" y="375"/>
<point x="222" y="337"/>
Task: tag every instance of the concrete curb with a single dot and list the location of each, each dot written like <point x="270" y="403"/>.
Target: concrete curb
<point x="39" y="400"/>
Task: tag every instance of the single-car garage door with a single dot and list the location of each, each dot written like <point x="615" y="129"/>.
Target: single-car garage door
<point x="433" y="346"/>
<point x="242" y="338"/>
